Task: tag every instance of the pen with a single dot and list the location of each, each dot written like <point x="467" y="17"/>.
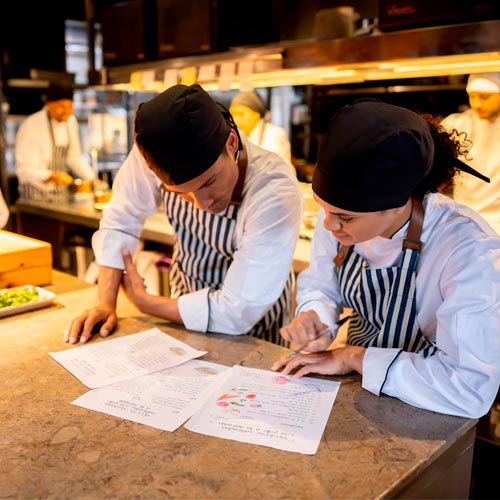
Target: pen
<point x="323" y="333"/>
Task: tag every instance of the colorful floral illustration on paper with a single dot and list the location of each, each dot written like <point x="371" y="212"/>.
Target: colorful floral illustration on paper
<point x="206" y="370"/>
<point x="237" y="399"/>
<point x="180" y="351"/>
<point x="281" y="380"/>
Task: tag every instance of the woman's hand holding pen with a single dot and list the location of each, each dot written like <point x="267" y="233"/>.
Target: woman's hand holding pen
<point x="305" y="328"/>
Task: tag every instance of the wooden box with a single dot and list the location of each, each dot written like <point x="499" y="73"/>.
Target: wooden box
<point x="24" y="261"/>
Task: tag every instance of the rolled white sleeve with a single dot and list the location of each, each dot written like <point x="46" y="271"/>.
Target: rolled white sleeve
<point x="194" y="310"/>
<point x="376" y="364"/>
<point x="136" y="195"/>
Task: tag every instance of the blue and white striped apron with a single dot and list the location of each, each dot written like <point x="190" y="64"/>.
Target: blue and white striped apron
<point x="52" y="194"/>
<point x="383" y="303"/>
<point x="203" y="252"/>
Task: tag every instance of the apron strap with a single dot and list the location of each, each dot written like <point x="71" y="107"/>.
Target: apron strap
<point x="341" y="255"/>
<point x="412" y="240"/>
<point x="237" y="195"/>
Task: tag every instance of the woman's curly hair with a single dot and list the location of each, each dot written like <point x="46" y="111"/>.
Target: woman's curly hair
<point x="448" y="146"/>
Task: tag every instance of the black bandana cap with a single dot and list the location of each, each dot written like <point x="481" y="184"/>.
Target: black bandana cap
<point x="373" y="157"/>
<point x="181" y="132"/>
<point x="59" y="92"/>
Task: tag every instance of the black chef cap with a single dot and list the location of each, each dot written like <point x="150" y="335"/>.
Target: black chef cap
<point x="181" y="132"/>
<point x="59" y="91"/>
<point x="373" y="157"/>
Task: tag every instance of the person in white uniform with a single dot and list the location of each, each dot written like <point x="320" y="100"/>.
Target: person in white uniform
<point x="250" y="114"/>
<point x="48" y="148"/>
<point x="420" y="272"/>
<point x="230" y="203"/>
<point x="481" y="124"/>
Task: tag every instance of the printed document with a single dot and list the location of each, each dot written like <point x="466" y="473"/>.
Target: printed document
<point x="267" y="408"/>
<point x="164" y="399"/>
<point x="125" y="358"/>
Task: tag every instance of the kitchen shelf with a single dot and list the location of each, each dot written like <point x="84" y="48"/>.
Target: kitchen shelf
<point x="436" y="51"/>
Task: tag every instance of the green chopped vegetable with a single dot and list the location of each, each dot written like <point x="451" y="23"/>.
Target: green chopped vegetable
<point x="16" y="297"/>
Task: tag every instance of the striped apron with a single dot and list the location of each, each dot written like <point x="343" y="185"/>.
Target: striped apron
<point x="384" y="300"/>
<point x="52" y="194"/>
<point x="203" y="252"/>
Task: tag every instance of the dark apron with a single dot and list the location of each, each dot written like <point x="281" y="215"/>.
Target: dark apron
<point x="384" y="300"/>
<point x="203" y="252"/>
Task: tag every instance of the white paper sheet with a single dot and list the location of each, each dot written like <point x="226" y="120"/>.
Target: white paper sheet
<point x="124" y="358"/>
<point x="266" y="408"/>
<point x="164" y="399"/>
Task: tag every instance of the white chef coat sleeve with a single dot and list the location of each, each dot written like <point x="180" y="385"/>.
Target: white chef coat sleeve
<point x="317" y="286"/>
<point x="31" y="166"/>
<point x="74" y="159"/>
<point x="462" y="378"/>
<point x="269" y="222"/>
<point x="136" y="195"/>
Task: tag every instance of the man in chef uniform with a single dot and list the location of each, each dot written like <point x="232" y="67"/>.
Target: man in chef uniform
<point x="235" y="209"/>
<point x="481" y="123"/>
<point x="249" y="113"/>
<point x="48" y="148"/>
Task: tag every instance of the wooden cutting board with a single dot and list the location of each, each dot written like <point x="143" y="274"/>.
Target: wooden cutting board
<point x="24" y="261"/>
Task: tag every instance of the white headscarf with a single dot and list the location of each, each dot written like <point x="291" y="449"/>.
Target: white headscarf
<point x="488" y="83"/>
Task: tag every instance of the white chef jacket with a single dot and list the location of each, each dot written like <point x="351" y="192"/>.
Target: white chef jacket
<point x="267" y="228"/>
<point x="273" y="138"/>
<point x="458" y="307"/>
<point x="484" y="157"/>
<point x="34" y="149"/>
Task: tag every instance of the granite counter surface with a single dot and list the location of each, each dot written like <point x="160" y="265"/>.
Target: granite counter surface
<point x="372" y="446"/>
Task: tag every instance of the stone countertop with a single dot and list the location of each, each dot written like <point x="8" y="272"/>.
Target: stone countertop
<point x="372" y="446"/>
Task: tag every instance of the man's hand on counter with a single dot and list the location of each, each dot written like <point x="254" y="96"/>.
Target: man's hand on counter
<point x="102" y="317"/>
<point x="83" y="326"/>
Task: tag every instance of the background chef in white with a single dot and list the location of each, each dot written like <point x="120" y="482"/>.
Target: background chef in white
<point x="48" y="148"/>
<point x="420" y="272"/>
<point x="236" y="211"/>
<point x="481" y="123"/>
<point x="251" y="117"/>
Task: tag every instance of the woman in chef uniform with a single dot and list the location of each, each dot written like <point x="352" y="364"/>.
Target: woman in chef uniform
<point x="420" y="272"/>
<point x="47" y="146"/>
<point x="249" y="113"/>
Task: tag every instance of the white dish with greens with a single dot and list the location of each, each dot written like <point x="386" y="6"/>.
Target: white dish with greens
<point x="23" y="298"/>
